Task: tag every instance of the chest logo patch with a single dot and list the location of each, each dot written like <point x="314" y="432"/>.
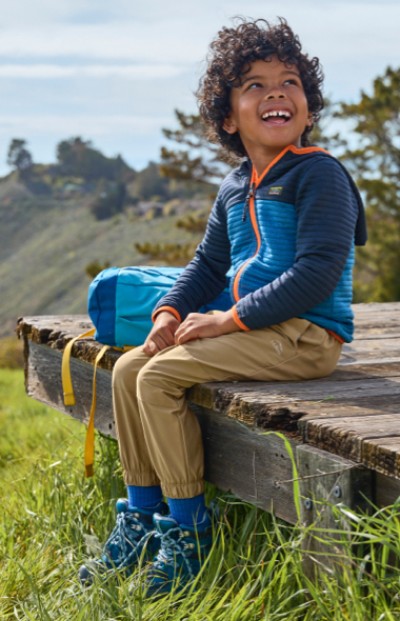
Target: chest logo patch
<point x="275" y="190"/>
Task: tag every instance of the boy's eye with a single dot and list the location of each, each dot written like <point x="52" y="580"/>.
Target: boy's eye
<point x="292" y="82"/>
<point x="253" y="85"/>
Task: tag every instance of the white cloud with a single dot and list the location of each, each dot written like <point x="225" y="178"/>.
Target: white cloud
<point x="90" y="125"/>
<point x="128" y="40"/>
<point x="50" y="71"/>
<point x="158" y="33"/>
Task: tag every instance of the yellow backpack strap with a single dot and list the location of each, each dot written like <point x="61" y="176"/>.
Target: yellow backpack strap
<point x="89" y="443"/>
<point x="68" y="390"/>
<point x="69" y="395"/>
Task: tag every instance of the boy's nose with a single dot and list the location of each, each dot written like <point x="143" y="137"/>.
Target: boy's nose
<point x="275" y="93"/>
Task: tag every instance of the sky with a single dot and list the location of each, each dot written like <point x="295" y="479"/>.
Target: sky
<point x="113" y="72"/>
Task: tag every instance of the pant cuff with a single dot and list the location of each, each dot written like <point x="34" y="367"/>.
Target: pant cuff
<point x="141" y="479"/>
<point x="183" y="490"/>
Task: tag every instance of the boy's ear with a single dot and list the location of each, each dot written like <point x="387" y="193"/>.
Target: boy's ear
<point x="229" y="125"/>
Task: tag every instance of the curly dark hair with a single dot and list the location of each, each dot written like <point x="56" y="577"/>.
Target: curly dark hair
<point x="231" y="55"/>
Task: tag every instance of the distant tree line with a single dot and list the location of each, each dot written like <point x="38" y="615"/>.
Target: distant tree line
<point x="75" y="158"/>
<point x="18" y="156"/>
<point x="111" y="184"/>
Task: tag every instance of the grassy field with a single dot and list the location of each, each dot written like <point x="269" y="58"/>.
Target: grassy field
<point x="52" y="518"/>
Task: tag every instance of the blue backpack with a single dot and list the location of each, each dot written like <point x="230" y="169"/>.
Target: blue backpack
<point x="121" y="301"/>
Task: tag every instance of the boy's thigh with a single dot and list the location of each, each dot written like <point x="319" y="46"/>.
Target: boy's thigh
<point x="129" y="364"/>
<point x="296" y="349"/>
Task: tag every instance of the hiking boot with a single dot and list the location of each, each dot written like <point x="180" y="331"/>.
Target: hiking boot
<point x="131" y="538"/>
<point x="183" y="550"/>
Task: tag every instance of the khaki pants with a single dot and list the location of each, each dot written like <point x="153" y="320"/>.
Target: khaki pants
<point x="159" y="437"/>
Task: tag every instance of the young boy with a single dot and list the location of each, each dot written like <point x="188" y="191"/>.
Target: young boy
<point x="282" y="234"/>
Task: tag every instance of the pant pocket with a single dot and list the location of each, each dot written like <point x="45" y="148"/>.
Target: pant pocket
<point x="293" y="329"/>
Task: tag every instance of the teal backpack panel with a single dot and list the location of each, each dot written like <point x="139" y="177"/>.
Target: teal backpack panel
<point x="121" y="301"/>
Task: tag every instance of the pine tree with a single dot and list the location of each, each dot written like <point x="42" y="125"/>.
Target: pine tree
<point x="373" y="157"/>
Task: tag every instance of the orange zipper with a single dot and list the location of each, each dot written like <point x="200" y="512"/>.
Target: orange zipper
<point x="250" y="203"/>
<point x="250" y="200"/>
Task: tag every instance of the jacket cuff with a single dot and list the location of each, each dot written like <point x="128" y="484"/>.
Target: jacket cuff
<point x="237" y="320"/>
<point x="168" y="309"/>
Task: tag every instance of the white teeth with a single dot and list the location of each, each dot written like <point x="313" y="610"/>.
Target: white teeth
<point x="283" y="113"/>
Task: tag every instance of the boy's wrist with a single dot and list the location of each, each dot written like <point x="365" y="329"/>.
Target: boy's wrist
<point x="227" y="322"/>
<point x="239" y="323"/>
<point x="167" y="310"/>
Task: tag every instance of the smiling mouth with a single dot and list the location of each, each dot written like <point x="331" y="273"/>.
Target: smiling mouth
<point x="276" y="117"/>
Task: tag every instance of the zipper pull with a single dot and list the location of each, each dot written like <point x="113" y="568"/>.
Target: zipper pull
<point x="247" y="201"/>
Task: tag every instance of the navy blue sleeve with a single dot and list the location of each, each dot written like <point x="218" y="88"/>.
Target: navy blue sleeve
<point x="327" y="210"/>
<point x="205" y="276"/>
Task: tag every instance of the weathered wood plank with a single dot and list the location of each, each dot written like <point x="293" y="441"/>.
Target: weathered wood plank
<point x="243" y="399"/>
<point x="361" y="406"/>
<point x="365" y="368"/>
<point x="357" y="439"/>
<point x="43" y="382"/>
<point x="330" y="479"/>
<point x="57" y="331"/>
<point x="376" y="311"/>
<point x="383" y="454"/>
<point x="47" y="328"/>
<point x="386" y="491"/>
<point x="253" y="466"/>
<point x="325" y="481"/>
<point x="295" y="416"/>
<point x="376" y="320"/>
<point x="382" y="346"/>
<point x="363" y="354"/>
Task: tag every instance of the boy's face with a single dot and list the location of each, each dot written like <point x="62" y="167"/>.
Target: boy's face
<point x="269" y="110"/>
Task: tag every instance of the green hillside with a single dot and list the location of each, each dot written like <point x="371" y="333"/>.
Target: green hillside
<point x="46" y="244"/>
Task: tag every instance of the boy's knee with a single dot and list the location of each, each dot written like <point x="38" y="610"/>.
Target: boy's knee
<point x="156" y="377"/>
<point x="119" y="373"/>
<point x="125" y="371"/>
<point x="147" y="379"/>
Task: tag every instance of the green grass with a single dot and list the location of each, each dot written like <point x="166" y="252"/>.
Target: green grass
<point x="52" y="518"/>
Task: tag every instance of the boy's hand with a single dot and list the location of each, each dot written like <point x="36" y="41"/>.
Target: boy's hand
<point x="162" y="334"/>
<point x="199" y="326"/>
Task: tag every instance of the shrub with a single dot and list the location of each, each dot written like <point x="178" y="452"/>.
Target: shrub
<point x="11" y="353"/>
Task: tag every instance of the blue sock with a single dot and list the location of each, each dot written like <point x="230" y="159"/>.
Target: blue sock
<point x="149" y="497"/>
<point x="190" y="511"/>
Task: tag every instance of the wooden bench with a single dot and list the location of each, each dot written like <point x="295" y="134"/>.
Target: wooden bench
<point x="343" y="431"/>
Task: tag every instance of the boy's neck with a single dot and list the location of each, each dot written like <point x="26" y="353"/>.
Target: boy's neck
<point x="259" y="172"/>
<point x="261" y="165"/>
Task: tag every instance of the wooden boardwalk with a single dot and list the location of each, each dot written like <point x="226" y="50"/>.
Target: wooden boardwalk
<point x="344" y="431"/>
